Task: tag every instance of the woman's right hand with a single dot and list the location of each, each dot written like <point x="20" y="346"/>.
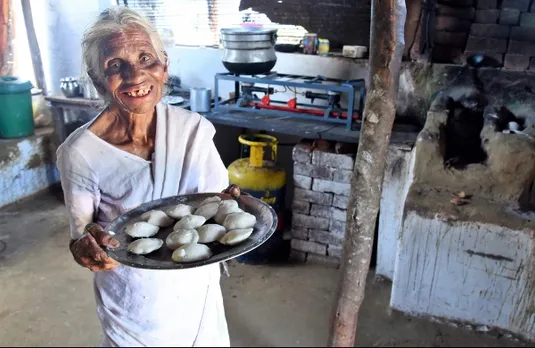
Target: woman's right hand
<point x="88" y="252"/>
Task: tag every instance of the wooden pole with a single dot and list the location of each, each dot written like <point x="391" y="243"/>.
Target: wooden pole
<point x="386" y="49"/>
<point x="34" y="47"/>
<point x="5" y="66"/>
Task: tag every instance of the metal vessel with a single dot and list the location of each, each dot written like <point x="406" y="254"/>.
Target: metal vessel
<point x="200" y="99"/>
<point x="249" y="51"/>
<point x="70" y="87"/>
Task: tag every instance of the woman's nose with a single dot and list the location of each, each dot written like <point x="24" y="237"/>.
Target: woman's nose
<point x="131" y="73"/>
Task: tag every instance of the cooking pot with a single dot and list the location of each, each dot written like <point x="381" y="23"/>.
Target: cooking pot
<point x="249" y="51"/>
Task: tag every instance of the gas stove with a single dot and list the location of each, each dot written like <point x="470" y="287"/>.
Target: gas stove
<point x="268" y="94"/>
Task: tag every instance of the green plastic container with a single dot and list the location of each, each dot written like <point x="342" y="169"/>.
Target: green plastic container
<point x="16" y="110"/>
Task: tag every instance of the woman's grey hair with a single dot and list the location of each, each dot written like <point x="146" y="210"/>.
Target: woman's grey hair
<point x="110" y="22"/>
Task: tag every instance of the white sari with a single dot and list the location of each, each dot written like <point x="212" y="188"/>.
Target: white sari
<point x="143" y="307"/>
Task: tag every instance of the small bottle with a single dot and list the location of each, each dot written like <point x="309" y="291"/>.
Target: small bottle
<point x="323" y="47"/>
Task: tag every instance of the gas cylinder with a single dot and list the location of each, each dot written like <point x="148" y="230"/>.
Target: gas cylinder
<point x="262" y="179"/>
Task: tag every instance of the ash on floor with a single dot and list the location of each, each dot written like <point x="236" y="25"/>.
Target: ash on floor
<point x="47" y="299"/>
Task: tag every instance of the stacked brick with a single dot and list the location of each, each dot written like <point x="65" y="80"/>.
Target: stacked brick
<point x="505" y="31"/>
<point x="488" y="34"/>
<point x="452" y="24"/>
<point x="321" y="189"/>
<point x="501" y="29"/>
<point x="521" y="49"/>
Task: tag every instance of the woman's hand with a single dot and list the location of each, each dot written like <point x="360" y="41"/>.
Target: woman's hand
<point x="87" y="250"/>
<point x="235" y="191"/>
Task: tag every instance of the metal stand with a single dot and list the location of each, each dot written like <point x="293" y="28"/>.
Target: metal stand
<point x="330" y="113"/>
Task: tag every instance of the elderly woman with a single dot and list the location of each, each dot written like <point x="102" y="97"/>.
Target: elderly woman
<point x="136" y="150"/>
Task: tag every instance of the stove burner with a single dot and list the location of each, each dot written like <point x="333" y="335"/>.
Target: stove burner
<point x="254" y="94"/>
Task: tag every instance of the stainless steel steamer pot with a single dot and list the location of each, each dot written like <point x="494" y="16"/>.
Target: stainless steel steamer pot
<point x="249" y="51"/>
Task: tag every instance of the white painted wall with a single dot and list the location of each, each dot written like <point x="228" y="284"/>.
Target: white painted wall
<point x="396" y="183"/>
<point x="197" y="66"/>
<point x="438" y="274"/>
<point x="59" y="26"/>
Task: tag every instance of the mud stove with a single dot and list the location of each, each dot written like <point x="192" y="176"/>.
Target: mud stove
<point x="466" y="250"/>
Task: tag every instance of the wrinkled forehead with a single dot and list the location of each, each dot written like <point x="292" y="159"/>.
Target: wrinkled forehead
<point x="131" y="40"/>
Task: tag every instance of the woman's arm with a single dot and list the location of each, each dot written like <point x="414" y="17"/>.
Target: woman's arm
<point x="80" y="190"/>
<point x="82" y="197"/>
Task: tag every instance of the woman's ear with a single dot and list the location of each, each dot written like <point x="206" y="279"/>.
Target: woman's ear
<point x="96" y="82"/>
<point x="166" y="63"/>
<point x="166" y="67"/>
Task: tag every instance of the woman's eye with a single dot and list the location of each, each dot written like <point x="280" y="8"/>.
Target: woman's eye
<point x="114" y="65"/>
<point x="145" y="58"/>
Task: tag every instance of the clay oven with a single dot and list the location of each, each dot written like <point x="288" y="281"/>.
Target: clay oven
<point x="466" y="250"/>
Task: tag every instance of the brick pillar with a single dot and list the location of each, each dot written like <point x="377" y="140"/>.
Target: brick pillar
<point x="322" y="182"/>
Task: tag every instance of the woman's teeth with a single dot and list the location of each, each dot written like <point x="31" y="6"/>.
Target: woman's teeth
<point x="140" y="92"/>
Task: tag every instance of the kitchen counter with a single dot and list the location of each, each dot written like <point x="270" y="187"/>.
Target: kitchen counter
<point x="402" y="135"/>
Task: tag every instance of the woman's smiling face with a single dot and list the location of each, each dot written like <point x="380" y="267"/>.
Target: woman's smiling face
<point x="133" y="75"/>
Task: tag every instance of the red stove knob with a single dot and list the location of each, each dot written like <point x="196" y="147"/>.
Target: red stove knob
<point x="266" y="100"/>
<point x="292" y="103"/>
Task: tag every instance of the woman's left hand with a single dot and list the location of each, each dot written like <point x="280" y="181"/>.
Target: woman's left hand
<point x="235" y="191"/>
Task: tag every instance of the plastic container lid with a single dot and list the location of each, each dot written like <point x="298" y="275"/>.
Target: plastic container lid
<point x="12" y="84"/>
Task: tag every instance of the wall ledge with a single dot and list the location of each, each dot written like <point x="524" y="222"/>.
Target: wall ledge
<point x="27" y="165"/>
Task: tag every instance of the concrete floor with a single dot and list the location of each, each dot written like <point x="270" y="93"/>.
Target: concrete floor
<point x="47" y="299"/>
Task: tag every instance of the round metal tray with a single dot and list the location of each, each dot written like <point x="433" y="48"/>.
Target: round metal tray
<point x="266" y="222"/>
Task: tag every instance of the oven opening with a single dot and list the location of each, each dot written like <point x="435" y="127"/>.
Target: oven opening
<point x="463" y="134"/>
